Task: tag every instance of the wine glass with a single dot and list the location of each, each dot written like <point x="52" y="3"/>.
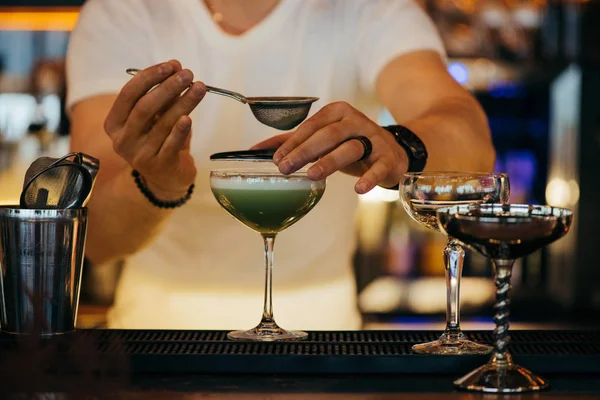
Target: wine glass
<point x="504" y="233"/>
<point x="421" y="195"/>
<point x="266" y="201"/>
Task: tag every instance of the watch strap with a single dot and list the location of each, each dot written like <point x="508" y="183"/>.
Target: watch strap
<point x="413" y="145"/>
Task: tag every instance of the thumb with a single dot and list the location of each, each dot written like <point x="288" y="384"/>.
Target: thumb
<point x="271" y="143"/>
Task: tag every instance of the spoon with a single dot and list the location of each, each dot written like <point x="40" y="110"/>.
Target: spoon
<point x="283" y="113"/>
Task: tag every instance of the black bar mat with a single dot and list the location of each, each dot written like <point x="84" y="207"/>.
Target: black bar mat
<point x="352" y="352"/>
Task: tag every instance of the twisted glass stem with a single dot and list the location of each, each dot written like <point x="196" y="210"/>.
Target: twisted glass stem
<point x="503" y="272"/>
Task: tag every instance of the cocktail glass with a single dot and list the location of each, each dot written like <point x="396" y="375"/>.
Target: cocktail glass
<point x="504" y="233"/>
<point x="421" y="195"/>
<point x="259" y="196"/>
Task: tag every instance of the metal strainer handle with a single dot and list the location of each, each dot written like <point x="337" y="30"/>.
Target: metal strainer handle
<point x="227" y="93"/>
<point x="283" y="113"/>
<point x="212" y="89"/>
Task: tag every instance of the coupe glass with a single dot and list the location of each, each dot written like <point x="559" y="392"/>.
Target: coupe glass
<point x="421" y="195"/>
<point x="260" y="197"/>
<point x="504" y="233"/>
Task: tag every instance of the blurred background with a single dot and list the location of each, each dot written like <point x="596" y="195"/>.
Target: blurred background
<point x="535" y="67"/>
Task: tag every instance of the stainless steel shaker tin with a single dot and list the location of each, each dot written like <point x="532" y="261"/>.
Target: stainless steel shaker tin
<point x="41" y="261"/>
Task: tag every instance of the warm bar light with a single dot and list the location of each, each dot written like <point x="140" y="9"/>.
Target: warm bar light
<point x="49" y="19"/>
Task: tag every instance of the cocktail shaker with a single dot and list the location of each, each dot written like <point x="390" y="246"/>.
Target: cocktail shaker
<point x="41" y="261"/>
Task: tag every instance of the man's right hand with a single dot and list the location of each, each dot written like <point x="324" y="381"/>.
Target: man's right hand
<point x="150" y="127"/>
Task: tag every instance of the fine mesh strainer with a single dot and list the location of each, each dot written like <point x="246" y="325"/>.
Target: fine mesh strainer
<point x="283" y="113"/>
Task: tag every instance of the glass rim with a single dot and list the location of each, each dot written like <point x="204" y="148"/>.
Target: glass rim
<point x="565" y="212"/>
<point x="454" y="174"/>
<point x="243" y="160"/>
<point x="230" y="172"/>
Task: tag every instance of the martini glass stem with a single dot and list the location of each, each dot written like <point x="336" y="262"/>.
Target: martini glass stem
<point x="454" y="256"/>
<point x="267" y="317"/>
<point x="501" y="374"/>
<point x="503" y="272"/>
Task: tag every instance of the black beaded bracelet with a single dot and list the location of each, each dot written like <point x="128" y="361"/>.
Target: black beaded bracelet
<point x="156" y="202"/>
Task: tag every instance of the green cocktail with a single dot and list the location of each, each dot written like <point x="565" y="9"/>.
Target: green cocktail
<point x="266" y="202"/>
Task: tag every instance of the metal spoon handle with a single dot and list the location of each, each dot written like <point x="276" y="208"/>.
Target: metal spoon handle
<point x="132" y="71"/>
<point x="223" y="92"/>
<point x="227" y="93"/>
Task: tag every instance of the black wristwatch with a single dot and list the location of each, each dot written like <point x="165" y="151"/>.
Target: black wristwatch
<point x="414" y="147"/>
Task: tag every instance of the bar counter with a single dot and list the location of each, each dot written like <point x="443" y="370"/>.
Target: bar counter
<point x="297" y="387"/>
<point x="330" y="365"/>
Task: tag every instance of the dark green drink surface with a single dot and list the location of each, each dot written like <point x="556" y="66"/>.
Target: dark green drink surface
<point x="269" y="211"/>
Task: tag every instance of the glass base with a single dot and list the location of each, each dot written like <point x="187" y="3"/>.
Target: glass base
<point x="511" y="379"/>
<point x="262" y="334"/>
<point x="452" y="344"/>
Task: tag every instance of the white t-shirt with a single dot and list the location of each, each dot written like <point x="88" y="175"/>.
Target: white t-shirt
<point x="205" y="270"/>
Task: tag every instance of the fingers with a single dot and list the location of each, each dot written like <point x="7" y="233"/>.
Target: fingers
<point x="164" y="125"/>
<point x="135" y="89"/>
<point x="321" y="142"/>
<point x="328" y="115"/>
<point x="272" y="142"/>
<point x="324" y="140"/>
<point x="177" y="140"/>
<point x="377" y="173"/>
<point x="347" y="153"/>
<point x="150" y="105"/>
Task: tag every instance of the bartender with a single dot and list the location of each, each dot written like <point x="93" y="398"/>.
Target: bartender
<point x="189" y="264"/>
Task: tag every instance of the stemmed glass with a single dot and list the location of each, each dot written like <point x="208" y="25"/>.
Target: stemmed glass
<point x="259" y="196"/>
<point x="421" y="195"/>
<point x="504" y="233"/>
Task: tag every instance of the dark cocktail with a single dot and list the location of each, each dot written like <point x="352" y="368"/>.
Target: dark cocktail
<point x="504" y="233"/>
<point x="267" y="202"/>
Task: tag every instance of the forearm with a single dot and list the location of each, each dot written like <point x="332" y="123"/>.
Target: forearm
<point x="422" y="96"/>
<point x="124" y="132"/>
<point x="456" y="134"/>
<point x="121" y="220"/>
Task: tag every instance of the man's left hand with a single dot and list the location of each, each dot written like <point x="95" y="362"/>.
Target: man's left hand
<point x="327" y="137"/>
